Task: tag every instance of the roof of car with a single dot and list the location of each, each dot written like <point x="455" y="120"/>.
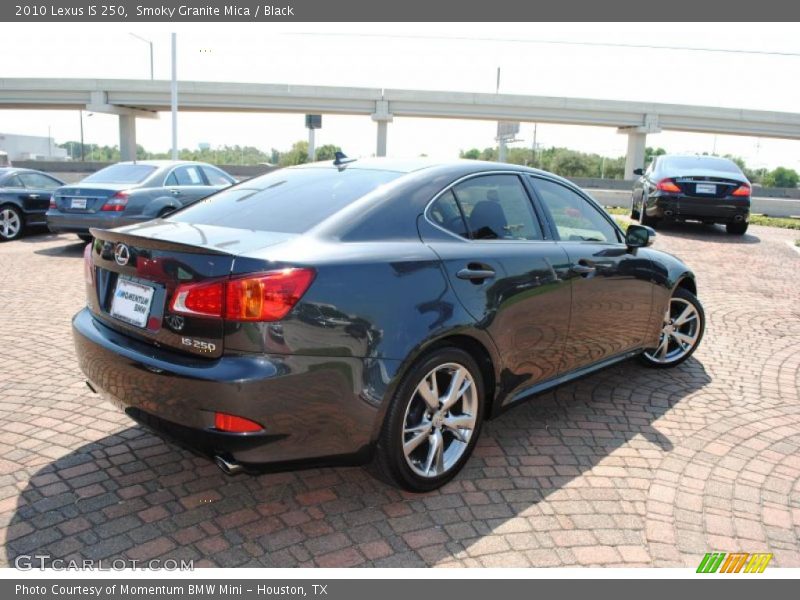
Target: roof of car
<point x="161" y="163"/>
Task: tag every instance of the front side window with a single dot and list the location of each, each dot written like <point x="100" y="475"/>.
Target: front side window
<point x="576" y="219"/>
<point x="497" y="207"/>
<point x="216" y="177"/>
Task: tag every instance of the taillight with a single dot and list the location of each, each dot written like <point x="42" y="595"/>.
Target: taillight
<point x="742" y="190"/>
<point x="202" y="299"/>
<point x="667" y="185"/>
<point x="116" y="203"/>
<point x="52" y="201"/>
<point x="234" y="424"/>
<point x="88" y="265"/>
<point x="266" y="297"/>
<point x="263" y="297"/>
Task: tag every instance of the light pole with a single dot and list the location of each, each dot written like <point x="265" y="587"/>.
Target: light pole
<point x="174" y="97"/>
<point x="149" y="43"/>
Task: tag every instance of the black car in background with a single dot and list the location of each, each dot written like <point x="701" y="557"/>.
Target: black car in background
<point x="374" y="309"/>
<point x="692" y="188"/>
<point x="131" y="192"/>
<point x="24" y="198"/>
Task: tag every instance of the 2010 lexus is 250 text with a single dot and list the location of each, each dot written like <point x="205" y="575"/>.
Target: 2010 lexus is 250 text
<point x="371" y="311"/>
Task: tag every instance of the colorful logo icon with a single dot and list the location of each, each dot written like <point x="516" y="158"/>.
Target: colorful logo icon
<point x="735" y="562"/>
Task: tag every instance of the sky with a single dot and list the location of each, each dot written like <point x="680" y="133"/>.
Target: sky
<point x="751" y="66"/>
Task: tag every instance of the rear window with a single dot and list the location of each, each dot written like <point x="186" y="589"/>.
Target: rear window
<point x="694" y="163"/>
<point x="285" y="201"/>
<point x="121" y="174"/>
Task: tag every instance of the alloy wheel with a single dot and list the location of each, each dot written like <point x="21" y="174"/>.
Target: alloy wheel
<point x="9" y="223"/>
<point x="679" y="334"/>
<point x="439" y="420"/>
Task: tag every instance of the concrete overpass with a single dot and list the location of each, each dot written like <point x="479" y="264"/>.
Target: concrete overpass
<point x="132" y="98"/>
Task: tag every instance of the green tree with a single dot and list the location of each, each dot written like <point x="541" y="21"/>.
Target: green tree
<point x="296" y="156"/>
<point x="327" y="152"/>
<point x="781" y="177"/>
<point x="650" y="153"/>
<point x="472" y="154"/>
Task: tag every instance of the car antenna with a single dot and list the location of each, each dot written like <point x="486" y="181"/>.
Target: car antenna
<point x="341" y="159"/>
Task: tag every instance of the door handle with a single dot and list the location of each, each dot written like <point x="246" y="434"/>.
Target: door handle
<point x="582" y="269"/>
<point x="475" y="274"/>
<point x="175" y="192"/>
<point x="33" y="196"/>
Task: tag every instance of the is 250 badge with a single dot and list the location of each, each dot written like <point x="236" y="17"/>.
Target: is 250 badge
<point x="198" y="344"/>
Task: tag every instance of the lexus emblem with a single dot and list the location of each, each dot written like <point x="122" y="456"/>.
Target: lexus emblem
<point x="122" y="255"/>
<point x="175" y="322"/>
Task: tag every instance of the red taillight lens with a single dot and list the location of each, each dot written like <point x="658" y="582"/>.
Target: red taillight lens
<point x="667" y="185"/>
<point x="52" y="202"/>
<point x="266" y="297"/>
<point x="88" y="265"/>
<point x="234" y="424"/>
<point x="202" y="299"/>
<point x="742" y="190"/>
<point x="116" y="203"/>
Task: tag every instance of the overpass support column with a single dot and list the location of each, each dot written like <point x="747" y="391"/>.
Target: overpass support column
<point x="382" y="118"/>
<point x="127" y="137"/>
<point x="634" y="159"/>
<point x="637" y="142"/>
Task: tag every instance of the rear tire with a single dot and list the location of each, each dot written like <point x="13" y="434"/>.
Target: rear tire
<point x="739" y="228"/>
<point x="646" y="220"/>
<point x="428" y="434"/>
<point x="684" y="325"/>
<point x="86" y="239"/>
<point x="12" y="223"/>
<point x="634" y="212"/>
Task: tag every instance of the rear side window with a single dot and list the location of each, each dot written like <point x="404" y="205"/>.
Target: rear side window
<point x="445" y="213"/>
<point x="38" y="181"/>
<point x="121" y="174"/>
<point x="497" y="207"/>
<point x="575" y="217"/>
<point x="185" y="176"/>
<point x="285" y="201"/>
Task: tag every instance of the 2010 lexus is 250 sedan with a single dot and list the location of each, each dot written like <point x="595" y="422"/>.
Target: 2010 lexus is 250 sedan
<point x="371" y="310"/>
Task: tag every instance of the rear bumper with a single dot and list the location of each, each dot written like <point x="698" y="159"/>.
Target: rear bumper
<point x="718" y="210"/>
<point x="60" y="222"/>
<point x="313" y="409"/>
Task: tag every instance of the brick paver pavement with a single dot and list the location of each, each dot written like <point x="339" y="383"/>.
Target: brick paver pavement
<point x="630" y="466"/>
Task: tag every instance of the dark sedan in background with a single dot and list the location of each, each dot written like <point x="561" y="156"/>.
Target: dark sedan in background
<point x="371" y="309"/>
<point x="692" y="188"/>
<point x="131" y="192"/>
<point x="24" y="198"/>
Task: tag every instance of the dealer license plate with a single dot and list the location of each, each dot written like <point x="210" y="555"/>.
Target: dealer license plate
<point x="132" y="302"/>
<point x="78" y="203"/>
<point x="705" y="188"/>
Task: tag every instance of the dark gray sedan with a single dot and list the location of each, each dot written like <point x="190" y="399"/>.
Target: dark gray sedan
<point x="131" y="192"/>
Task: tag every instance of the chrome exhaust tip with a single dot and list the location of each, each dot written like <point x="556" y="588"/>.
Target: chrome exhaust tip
<point x="738" y="218"/>
<point x="667" y="213"/>
<point x="228" y="467"/>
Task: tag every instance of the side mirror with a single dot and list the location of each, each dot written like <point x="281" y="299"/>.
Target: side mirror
<point x="638" y="171"/>
<point x="639" y="236"/>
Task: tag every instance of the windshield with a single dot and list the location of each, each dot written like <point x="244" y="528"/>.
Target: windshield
<point x="694" y="163"/>
<point x="121" y="174"/>
<point x="285" y="201"/>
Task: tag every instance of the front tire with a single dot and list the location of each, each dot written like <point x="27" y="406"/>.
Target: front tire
<point x="739" y="228"/>
<point x="682" y="331"/>
<point x="12" y="223"/>
<point x="433" y="422"/>
<point x="87" y="239"/>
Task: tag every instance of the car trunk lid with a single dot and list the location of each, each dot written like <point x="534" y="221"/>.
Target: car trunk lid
<point x="85" y="198"/>
<point x="136" y="271"/>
